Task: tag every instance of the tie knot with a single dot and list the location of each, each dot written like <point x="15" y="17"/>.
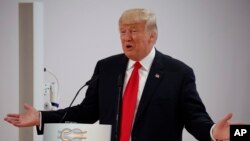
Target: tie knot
<point x="137" y="65"/>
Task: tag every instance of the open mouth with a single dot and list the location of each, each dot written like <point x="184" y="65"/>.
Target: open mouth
<point x="129" y="46"/>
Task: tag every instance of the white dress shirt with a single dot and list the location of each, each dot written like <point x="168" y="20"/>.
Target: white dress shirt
<point x="143" y="73"/>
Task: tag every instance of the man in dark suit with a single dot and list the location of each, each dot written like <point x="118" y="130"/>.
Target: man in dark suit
<point x="166" y="98"/>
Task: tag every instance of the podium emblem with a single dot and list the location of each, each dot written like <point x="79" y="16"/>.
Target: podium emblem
<point x="76" y="134"/>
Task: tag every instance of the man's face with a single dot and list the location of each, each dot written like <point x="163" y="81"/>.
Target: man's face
<point x="136" y="42"/>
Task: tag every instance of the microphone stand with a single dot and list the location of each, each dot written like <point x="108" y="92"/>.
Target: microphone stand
<point x="86" y="84"/>
<point x="118" y="110"/>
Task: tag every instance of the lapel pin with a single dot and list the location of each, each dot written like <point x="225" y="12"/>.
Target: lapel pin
<point x="157" y="75"/>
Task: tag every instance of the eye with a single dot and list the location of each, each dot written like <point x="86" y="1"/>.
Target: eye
<point x="122" y="31"/>
<point x="134" y="30"/>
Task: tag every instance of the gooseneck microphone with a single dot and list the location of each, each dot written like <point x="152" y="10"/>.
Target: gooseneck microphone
<point x="88" y="83"/>
<point x="118" y="110"/>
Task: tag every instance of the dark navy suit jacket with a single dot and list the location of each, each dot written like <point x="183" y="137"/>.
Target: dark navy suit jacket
<point x="169" y="101"/>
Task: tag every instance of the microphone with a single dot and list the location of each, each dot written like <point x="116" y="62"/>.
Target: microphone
<point x="88" y="83"/>
<point x="118" y="110"/>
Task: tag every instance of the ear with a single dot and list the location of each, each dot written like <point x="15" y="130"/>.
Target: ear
<point x="153" y="37"/>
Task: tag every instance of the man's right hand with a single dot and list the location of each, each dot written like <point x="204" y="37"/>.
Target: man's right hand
<point x="29" y="118"/>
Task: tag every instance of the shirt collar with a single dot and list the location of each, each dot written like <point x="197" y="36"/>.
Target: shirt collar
<point x="146" y="62"/>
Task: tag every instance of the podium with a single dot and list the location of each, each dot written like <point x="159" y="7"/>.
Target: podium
<point x="76" y="132"/>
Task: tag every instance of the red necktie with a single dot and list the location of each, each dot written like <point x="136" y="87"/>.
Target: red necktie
<point x="129" y="103"/>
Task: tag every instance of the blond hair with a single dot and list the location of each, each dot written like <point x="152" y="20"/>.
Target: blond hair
<point x="136" y="15"/>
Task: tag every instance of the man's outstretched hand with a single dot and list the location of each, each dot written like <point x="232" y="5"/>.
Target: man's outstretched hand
<point x="29" y="118"/>
<point x="221" y="130"/>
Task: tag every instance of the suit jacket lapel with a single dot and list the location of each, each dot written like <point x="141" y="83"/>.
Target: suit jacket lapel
<point x="152" y="82"/>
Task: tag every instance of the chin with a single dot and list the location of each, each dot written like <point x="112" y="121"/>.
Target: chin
<point x="132" y="56"/>
<point x="129" y="56"/>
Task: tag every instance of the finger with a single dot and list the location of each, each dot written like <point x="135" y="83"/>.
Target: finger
<point x="11" y="121"/>
<point x="7" y="119"/>
<point x="227" y="117"/>
<point x="27" y="106"/>
<point x="12" y="118"/>
<point x="15" y="121"/>
<point x="17" y="124"/>
<point x="13" y="115"/>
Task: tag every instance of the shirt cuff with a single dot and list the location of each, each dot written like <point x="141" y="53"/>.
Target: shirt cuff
<point x="40" y="125"/>
<point x="211" y="133"/>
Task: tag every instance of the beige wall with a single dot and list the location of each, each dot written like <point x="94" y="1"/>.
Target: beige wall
<point x="213" y="37"/>
<point x="9" y="98"/>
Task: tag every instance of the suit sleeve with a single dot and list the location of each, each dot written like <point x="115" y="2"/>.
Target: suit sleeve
<point x="197" y="120"/>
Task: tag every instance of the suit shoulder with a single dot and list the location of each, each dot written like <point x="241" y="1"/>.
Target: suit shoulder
<point x="113" y="58"/>
<point x="173" y="63"/>
<point x="114" y="61"/>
